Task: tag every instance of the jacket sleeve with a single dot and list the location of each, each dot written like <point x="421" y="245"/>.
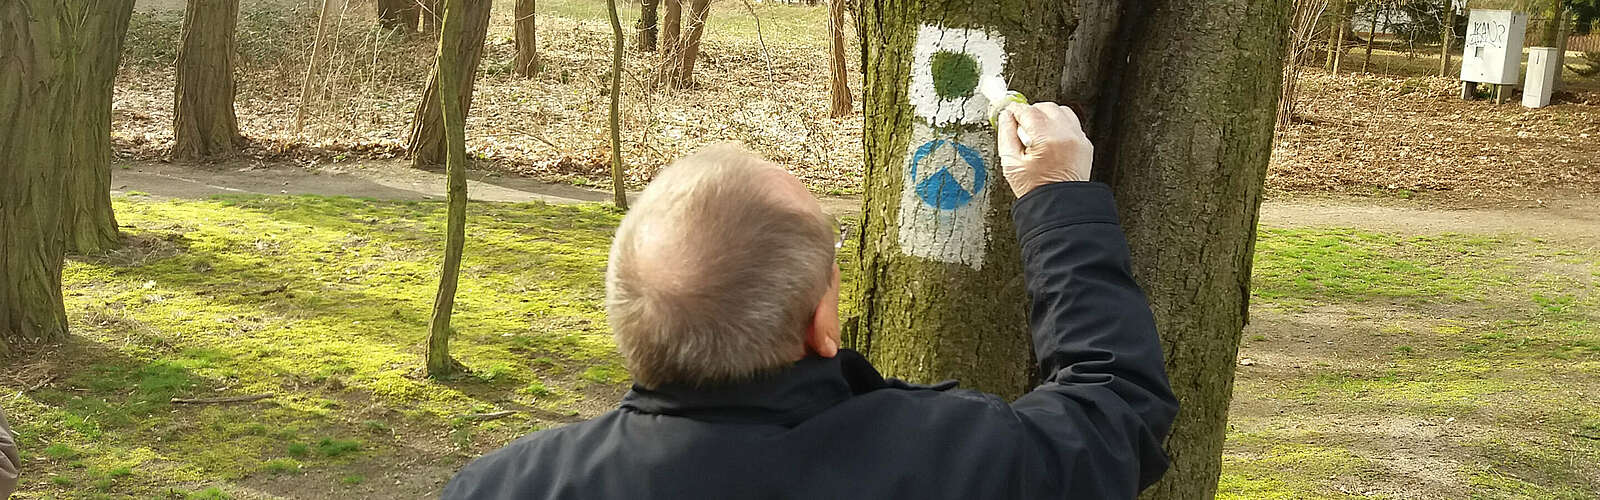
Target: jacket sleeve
<point x="1097" y="423"/>
<point x="9" y="461"/>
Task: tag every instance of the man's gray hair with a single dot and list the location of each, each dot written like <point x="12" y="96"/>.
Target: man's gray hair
<point x="715" y="274"/>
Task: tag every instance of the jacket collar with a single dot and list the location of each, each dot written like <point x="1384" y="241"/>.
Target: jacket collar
<point x="787" y="397"/>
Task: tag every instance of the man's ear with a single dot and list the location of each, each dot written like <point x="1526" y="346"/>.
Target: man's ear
<point x="822" y="337"/>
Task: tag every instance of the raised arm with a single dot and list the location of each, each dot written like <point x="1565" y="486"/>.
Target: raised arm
<point x="1099" y="418"/>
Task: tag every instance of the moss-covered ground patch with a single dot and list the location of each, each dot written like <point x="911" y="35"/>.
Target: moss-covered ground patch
<point x="1387" y="365"/>
<point x="1406" y="366"/>
<point x="322" y="302"/>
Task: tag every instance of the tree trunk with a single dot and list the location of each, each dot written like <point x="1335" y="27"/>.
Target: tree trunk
<point x="203" y="123"/>
<point x="677" y="69"/>
<point x="37" y="84"/>
<point x="839" y="74"/>
<point x="671" y="21"/>
<point x="427" y="145"/>
<point x="647" y="26"/>
<point x="1334" y="25"/>
<point x="91" y="226"/>
<point x="1448" y="39"/>
<point x="1346" y="29"/>
<point x="940" y="290"/>
<point x="619" y="193"/>
<point x="1372" y="35"/>
<point x="1187" y="165"/>
<point x="527" y="61"/>
<point x="399" y="15"/>
<point x="449" y="76"/>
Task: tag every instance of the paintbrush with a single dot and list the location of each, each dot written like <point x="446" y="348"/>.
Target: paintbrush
<point x="994" y="89"/>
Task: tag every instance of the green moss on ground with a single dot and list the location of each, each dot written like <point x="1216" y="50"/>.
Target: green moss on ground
<point x="1475" y="358"/>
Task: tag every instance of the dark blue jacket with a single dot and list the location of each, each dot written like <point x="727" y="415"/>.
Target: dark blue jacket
<point x="835" y="428"/>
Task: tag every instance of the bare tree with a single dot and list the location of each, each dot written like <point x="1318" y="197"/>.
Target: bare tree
<point x="677" y="66"/>
<point x="203" y="123"/>
<point x="91" y="226"/>
<point x="648" y="29"/>
<point x="527" y="61"/>
<point x="619" y="194"/>
<point x="839" y="79"/>
<point x="427" y="143"/>
<point x="448" y="75"/>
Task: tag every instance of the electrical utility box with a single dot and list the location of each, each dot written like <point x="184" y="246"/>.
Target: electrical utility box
<point x="1543" y="64"/>
<point x="1493" y="52"/>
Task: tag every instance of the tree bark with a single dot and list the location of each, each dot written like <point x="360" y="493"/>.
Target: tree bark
<point x="427" y="143"/>
<point x="619" y="193"/>
<point x="1448" y="38"/>
<point x="1372" y="35"/>
<point x="1346" y="29"/>
<point x="399" y="15"/>
<point x="527" y="60"/>
<point x="37" y="86"/>
<point x="1187" y="163"/>
<point x="204" y="125"/>
<point x="677" y="69"/>
<point x="91" y="226"/>
<point x="1334" y="31"/>
<point x="448" y="75"/>
<point x="1180" y="97"/>
<point x="839" y="73"/>
<point x="671" y="22"/>
<point x="647" y="26"/>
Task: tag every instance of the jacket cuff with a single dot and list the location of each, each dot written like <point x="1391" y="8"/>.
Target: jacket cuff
<point x="1062" y="204"/>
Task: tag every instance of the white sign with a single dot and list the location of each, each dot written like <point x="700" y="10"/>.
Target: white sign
<point x="1493" y="52"/>
<point x="951" y="158"/>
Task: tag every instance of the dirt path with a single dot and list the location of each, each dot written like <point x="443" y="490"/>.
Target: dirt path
<point x="1570" y="218"/>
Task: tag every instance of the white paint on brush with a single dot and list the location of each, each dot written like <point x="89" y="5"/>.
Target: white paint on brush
<point x="988" y="49"/>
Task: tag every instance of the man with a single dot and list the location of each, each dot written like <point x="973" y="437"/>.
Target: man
<point x="723" y="296"/>
<point x="9" y="461"/>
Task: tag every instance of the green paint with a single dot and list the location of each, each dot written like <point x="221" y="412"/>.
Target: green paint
<point x="954" y="74"/>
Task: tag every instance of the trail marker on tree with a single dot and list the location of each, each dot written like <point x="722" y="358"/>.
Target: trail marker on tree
<point x="944" y="204"/>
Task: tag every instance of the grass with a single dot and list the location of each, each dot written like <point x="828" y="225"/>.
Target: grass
<point x="1480" y="351"/>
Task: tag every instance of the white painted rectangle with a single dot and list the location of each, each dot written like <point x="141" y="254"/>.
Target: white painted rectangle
<point x="1542" y="65"/>
<point x="1493" y="52"/>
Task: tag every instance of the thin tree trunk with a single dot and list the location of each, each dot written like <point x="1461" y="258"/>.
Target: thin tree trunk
<point x="677" y="70"/>
<point x="36" y="102"/>
<point x="448" y="74"/>
<point x="527" y="61"/>
<point x="401" y="15"/>
<point x="839" y="79"/>
<point x="1448" y="38"/>
<point x="1333" y="28"/>
<point x="203" y="124"/>
<point x="1372" y="34"/>
<point x="619" y="193"/>
<point x="91" y="226"/>
<point x="427" y="143"/>
<point x="1345" y="28"/>
<point x="940" y="293"/>
<point x="311" y="69"/>
<point x="648" y="29"/>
